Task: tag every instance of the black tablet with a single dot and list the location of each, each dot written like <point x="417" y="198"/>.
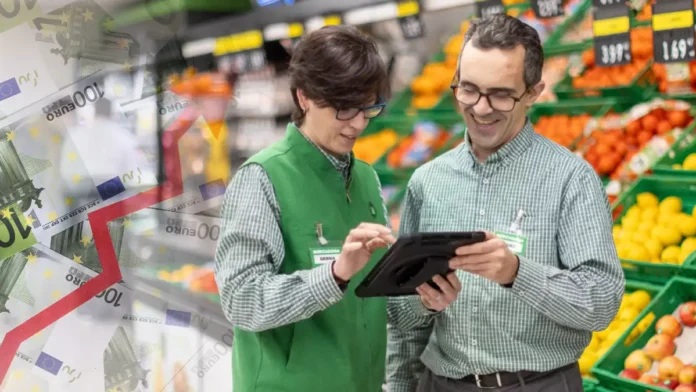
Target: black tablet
<point x="413" y="260"/>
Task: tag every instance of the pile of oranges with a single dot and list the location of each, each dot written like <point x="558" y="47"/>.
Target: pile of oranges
<point x="609" y="150"/>
<point x="621" y="75"/>
<point x="561" y="128"/>
<point x="660" y="72"/>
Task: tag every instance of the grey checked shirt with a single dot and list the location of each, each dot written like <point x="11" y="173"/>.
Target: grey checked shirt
<point x="569" y="283"/>
<point x="253" y="295"/>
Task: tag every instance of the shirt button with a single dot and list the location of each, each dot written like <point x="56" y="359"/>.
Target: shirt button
<point x="473" y="342"/>
<point x="485" y="181"/>
<point x="474" y="309"/>
<point x="482" y="212"/>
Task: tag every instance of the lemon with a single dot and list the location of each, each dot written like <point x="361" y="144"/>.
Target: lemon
<point x="687" y="225"/>
<point x="630" y="223"/>
<point x="669" y="236"/>
<point x="670" y="255"/>
<point x="671" y="204"/>
<point x="637" y="252"/>
<point x="656" y="231"/>
<point x="640" y="238"/>
<point x="645" y="322"/>
<point x="683" y="255"/>
<point x="622" y="250"/>
<point x="666" y="217"/>
<point x="613" y="337"/>
<point x="634" y="212"/>
<point x="646" y="227"/>
<point x="616" y="230"/>
<point x="587" y="361"/>
<point x="677" y="166"/>
<point x="639" y="299"/>
<point x="654" y="248"/>
<point x="594" y="343"/>
<point x="647" y="199"/>
<point x="689" y="245"/>
<point x="649" y="214"/>
<point x="690" y="162"/>
<point x="628" y="314"/>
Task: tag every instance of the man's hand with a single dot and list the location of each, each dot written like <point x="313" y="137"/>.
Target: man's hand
<point x="439" y="300"/>
<point x="491" y="259"/>
<point x="358" y="248"/>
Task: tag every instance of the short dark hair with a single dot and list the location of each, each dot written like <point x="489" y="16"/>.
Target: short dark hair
<point x="505" y="32"/>
<point x="337" y="66"/>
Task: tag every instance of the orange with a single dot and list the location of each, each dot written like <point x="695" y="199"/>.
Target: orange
<point x="649" y="123"/>
<point x="663" y="127"/>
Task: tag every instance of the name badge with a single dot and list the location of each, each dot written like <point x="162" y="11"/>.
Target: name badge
<point x="324" y="255"/>
<point x="516" y="243"/>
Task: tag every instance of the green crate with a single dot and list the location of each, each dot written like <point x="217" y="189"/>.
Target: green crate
<point x="677" y="291"/>
<point x="680" y="150"/>
<point x="660" y="186"/>
<point x="589" y="384"/>
<point x="640" y="88"/>
<point x="555" y="38"/>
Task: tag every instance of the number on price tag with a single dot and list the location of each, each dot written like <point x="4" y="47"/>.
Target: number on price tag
<point x="611" y="30"/>
<point x="545" y="9"/>
<point x="410" y="20"/>
<point x="673" y="31"/>
<point x="486" y="8"/>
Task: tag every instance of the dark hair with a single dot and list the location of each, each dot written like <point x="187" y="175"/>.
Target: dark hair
<point x="505" y="32"/>
<point x="337" y="66"/>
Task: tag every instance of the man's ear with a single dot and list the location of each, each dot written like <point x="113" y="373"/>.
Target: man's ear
<point x="535" y="92"/>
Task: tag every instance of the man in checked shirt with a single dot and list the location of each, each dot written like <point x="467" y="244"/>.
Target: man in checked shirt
<point x="547" y="275"/>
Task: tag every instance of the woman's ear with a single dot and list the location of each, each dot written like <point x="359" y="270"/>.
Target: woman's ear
<point x="302" y="99"/>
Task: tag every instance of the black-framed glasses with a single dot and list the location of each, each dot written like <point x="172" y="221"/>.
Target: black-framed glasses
<point x="371" y="111"/>
<point x="501" y="102"/>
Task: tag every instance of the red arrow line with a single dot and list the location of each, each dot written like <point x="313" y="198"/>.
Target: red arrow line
<point x="98" y="220"/>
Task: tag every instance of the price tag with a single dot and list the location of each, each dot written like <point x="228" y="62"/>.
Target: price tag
<point x="611" y="31"/>
<point x="246" y="62"/>
<point x="673" y="31"/>
<point x="409" y="17"/>
<point x="240" y="42"/>
<point x="545" y="9"/>
<point x="486" y="8"/>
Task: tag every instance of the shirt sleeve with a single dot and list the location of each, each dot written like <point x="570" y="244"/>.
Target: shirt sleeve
<point x="253" y="295"/>
<point x="410" y="323"/>
<point x="586" y="293"/>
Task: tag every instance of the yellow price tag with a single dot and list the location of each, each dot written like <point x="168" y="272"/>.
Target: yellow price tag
<point x="333" y="20"/>
<point x="673" y="20"/>
<point x="611" y="26"/>
<point x="241" y="42"/>
<point x="407" y="8"/>
<point x="295" y="30"/>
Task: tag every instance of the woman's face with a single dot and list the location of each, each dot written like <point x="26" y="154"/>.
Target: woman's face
<point x="335" y="136"/>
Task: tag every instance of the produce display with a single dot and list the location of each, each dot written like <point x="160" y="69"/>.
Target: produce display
<point x="371" y="147"/>
<point x="562" y="129"/>
<point x="198" y="279"/>
<point x="656" y="231"/>
<point x="668" y="360"/>
<point x="688" y="164"/>
<point x="427" y="137"/>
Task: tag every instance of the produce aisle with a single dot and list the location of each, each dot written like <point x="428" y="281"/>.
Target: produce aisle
<point x="629" y="114"/>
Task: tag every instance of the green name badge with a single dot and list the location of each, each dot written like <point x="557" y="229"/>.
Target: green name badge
<point x="15" y="233"/>
<point x="326" y="255"/>
<point x="516" y="243"/>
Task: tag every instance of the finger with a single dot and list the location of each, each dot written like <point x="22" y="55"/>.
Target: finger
<point x="376" y="243"/>
<point x="445" y="287"/>
<point x="475" y="259"/>
<point x="430" y="293"/>
<point x="361" y="235"/>
<point x="375" y="226"/>
<point x="487" y="246"/>
<point x="388" y="238"/>
<point x="352" y="246"/>
<point x="454" y="281"/>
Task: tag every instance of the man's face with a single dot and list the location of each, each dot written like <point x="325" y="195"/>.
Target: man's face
<point x="335" y="136"/>
<point x="499" y="73"/>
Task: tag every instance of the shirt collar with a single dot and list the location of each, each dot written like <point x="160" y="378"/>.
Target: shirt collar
<point x="341" y="164"/>
<point x="509" y="151"/>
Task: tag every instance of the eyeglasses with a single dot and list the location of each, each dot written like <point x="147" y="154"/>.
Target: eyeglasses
<point x="501" y="102"/>
<point x="371" y="111"/>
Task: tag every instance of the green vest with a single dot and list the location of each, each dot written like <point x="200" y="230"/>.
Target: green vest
<point x="342" y="348"/>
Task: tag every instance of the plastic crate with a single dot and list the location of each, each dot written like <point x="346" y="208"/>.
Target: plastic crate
<point x="589" y="384"/>
<point x="661" y="186"/>
<point x="641" y="87"/>
<point x="607" y="369"/>
<point x="676" y="155"/>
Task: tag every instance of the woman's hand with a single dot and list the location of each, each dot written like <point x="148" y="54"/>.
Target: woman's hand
<point x="358" y="247"/>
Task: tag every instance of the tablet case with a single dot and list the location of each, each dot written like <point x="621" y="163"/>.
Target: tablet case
<point x="413" y="260"/>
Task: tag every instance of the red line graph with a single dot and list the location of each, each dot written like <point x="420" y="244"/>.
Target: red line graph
<point x="98" y="220"/>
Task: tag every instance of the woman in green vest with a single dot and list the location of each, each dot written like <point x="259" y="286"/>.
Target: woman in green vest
<point x="303" y="223"/>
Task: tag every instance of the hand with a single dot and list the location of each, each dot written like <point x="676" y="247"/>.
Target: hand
<point x="491" y="259"/>
<point x="439" y="300"/>
<point x="358" y="248"/>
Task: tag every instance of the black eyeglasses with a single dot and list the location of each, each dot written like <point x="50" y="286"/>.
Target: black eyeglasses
<point x="497" y="101"/>
<point x="371" y="111"/>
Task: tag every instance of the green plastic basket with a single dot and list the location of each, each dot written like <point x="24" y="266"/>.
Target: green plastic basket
<point x="641" y="87"/>
<point x="676" y="155"/>
<point x="607" y="369"/>
<point x="589" y="384"/>
<point x="661" y="186"/>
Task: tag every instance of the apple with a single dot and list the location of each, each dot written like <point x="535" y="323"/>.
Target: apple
<point x="669" y="325"/>
<point x="687" y="375"/>
<point x="649" y="379"/>
<point x="660" y="346"/>
<point x="630" y="373"/>
<point x="669" y="368"/>
<point x="687" y="313"/>
<point x="686" y="388"/>
<point x="638" y="360"/>
<point x="669" y="384"/>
